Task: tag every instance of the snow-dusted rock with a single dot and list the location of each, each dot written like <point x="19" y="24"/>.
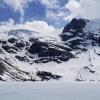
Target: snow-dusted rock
<point x="27" y="56"/>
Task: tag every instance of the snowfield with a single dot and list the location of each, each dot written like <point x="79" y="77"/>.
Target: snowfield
<point x="49" y="91"/>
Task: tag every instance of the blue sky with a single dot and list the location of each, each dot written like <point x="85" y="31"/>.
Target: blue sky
<point x="45" y="16"/>
<point x="35" y="10"/>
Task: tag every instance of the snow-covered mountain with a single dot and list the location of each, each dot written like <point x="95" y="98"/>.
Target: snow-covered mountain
<point x="27" y="56"/>
<point x="22" y="50"/>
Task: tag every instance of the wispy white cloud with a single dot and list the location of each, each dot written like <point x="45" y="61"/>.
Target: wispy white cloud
<point x="6" y="26"/>
<point x="57" y="15"/>
<point x="88" y="9"/>
<point x="17" y="5"/>
<point x="51" y="4"/>
<point x="55" y="12"/>
<point x="39" y="26"/>
<point x="84" y="8"/>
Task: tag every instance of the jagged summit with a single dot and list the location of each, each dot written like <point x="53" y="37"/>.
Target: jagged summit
<point x="75" y="35"/>
<point x="76" y="25"/>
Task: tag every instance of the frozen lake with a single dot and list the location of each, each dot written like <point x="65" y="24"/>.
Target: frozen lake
<point x="49" y="91"/>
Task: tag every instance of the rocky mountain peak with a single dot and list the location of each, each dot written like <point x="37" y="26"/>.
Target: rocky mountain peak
<point x="75" y="35"/>
<point x="76" y="25"/>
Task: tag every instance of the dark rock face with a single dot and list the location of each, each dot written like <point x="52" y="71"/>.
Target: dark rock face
<point x="37" y="47"/>
<point x="2" y="68"/>
<point x="6" y="47"/>
<point x="9" y="49"/>
<point x="48" y="52"/>
<point x="12" y="40"/>
<point x="74" y="36"/>
<point x="21" y="58"/>
<point x="33" y="39"/>
<point x="3" y="42"/>
<point x="75" y="24"/>
<point x="20" y="45"/>
<point x="47" y="75"/>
